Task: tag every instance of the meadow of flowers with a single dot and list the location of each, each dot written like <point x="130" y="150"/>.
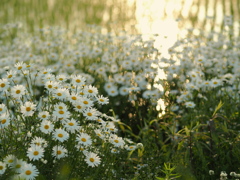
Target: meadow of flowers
<point x="86" y="105"/>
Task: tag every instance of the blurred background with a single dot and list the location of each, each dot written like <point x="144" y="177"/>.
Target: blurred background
<point x="163" y="17"/>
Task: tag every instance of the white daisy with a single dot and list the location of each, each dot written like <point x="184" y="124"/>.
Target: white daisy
<point x="90" y="90"/>
<point x="116" y="141"/>
<point x="102" y="100"/>
<point x="91" y="113"/>
<point x="59" y="152"/>
<point x="84" y="139"/>
<point x="3" y="108"/>
<point x="190" y="104"/>
<point x="43" y="115"/>
<point x="71" y="125"/>
<point x="9" y="160"/>
<point x="18" y="91"/>
<point x="4" y="84"/>
<point x="4" y="120"/>
<point x="78" y="80"/>
<point x="3" y="167"/>
<point x="92" y="159"/>
<point x="28" y="108"/>
<point x="35" y="152"/>
<point x="17" y="165"/>
<point x="46" y="127"/>
<point x="29" y="172"/>
<point x="60" y="135"/>
<point x="38" y="141"/>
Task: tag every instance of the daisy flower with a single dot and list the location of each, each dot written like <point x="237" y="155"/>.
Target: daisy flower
<point x="112" y="91"/>
<point x="20" y="66"/>
<point x="117" y="141"/>
<point x="124" y="90"/>
<point x="4" y="84"/>
<point x="190" y="104"/>
<point x="90" y="90"/>
<point x="71" y="125"/>
<point x="79" y="106"/>
<point x="84" y="139"/>
<point x="61" y="93"/>
<point x="61" y="77"/>
<point x="3" y="167"/>
<point x="35" y="152"/>
<point x="3" y="108"/>
<point x="38" y="141"/>
<point x="29" y="172"/>
<point x="92" y="159"/>
<point x="61" y="113"/>
<point x="131" y="147"/>
<point x="52" y="85"/>
<point x="28" y="108"/>
<point x="99" y="133"/>
<point x="59" y="152"/>
<point x="91" y="113"/>
<point x="78" y="80"/>
<point x="18" y="91"/>
<point x="4" y="120"/>
<point x="43" y="115"/>
<point x="17" y="165"/>
<point x="9" y="160"/>
<point x="46" y="127"/>
<point x="74" y="98"/>
<point x="11" y="74"/>
<point x="102" y="100"/>
<point x="60" y="135"/>
<point x="87" y="102"/>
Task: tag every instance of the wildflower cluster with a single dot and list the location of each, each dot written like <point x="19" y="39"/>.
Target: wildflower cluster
<point x="202" y="70"/>
<point x="122" y="67"/>
<point x="61" y="124"/>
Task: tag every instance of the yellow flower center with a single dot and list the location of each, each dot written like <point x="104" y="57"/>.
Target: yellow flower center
<point x="49" y="86"/>
<point x="70" y="124"/>
<point x="3" y="121"/>
<point x="10" y="160"/>
<point x="59" y="152"/>
<point x="78" y="80"/>
<point x="116" y="141"/>
<point x="83" y="140"/>
<point x="79" y="107"/>
<point x="59" y="94"/>
<point x="60" y="135"/>
<point x="91" y="159"/>
<point x="44" y="116"/>
<point x="19" y="68"/>
<point x="1" y="167"/>
<point x="101" y="100"/>
<point x="3" y="85"/>
<point x="35" y="153"/>
<point x="90" y="91"/>
<point x="46" y="127"/>
<point x="28" y="172"/>
<point x="74" y="98"/>
<point x="89" y="114"/>
<point x="85" y="102"/>
<point x="18" y="166"/>
<point x="28" y="109"/>
<point x="61" y="112"/>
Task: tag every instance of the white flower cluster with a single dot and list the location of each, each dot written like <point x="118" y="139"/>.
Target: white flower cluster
<point x="61" y="122"/>
<point x="202" y="65"/>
